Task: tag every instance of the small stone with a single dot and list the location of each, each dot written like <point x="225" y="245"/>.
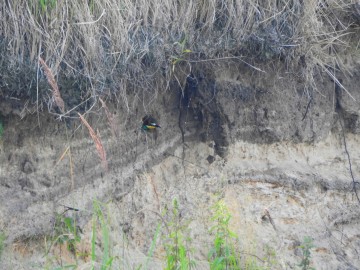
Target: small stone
<point x="28" y="167"/>
<point x="210" y="159"/>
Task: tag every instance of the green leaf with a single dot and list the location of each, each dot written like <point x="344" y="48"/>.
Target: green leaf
<point x="1" y="129"/>
<point x="177" y="60"/>
<point x="70" y="266"/>
<point x="68" y="223"/>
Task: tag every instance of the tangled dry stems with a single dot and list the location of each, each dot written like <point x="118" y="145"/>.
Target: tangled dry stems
<point x="127" y="46"/>
<point x="110" y="117"/>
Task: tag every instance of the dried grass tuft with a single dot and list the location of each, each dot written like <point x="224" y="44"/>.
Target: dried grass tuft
<point x="129" y="46"/>
<point x="110" y="118"/>
<point x="55" y="89"/>
<point x="98" y="144"/>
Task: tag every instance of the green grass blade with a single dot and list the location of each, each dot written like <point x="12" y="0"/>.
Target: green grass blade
<point x="93" y="239"/>
<point x="152" y="246"/>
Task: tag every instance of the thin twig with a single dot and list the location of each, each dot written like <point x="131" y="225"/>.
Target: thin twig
<point x="307" y="109"/>
<point x="92" y="22"/>
<point x="349" y="161"/>
<point x="37" y="87"/>
<point x="67" y="208"/>
<point x="110" y="117"/>
<point x="227" y="58"/>
<point x="159" y="215"/>
<point x="185" y="160"/>
<point x="253" y="255"/>
<point x="267" y="214"/>
<point x="332" y="76"/>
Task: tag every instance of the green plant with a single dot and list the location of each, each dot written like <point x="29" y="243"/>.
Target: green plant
<point x="66" y="231"/>
<point x="2" y="244"/>
<point x="223" y="254"/>
<point x="152" y="247"/>
<point x="1" y="129"/>
<point x="47" y="3"/>
<point x="270" y="258"/>
<point x="182" y="54"/>
<point x="176" y="247"/>
<point x="306" y="247"/>
<point x="99" y="218"/>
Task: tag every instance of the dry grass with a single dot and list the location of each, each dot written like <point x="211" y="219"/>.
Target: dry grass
<point x="110" y="117"/>
<point x="55" y="89"/>
<point x="127" y="46"/>
<point x="98" y="144"/>
<point x="67" y="153"/>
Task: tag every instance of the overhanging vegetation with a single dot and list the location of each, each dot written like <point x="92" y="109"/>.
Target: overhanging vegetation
<point x="113" y="47"/>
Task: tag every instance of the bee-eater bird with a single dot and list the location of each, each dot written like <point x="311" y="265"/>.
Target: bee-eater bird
<point x="149" y="123"/>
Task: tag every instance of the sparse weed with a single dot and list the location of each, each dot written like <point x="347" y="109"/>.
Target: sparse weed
<point x="178" y="253"/>
<point x="223" y="254"/>
<point x="182" y="54"/>
<point x="2" y="244"/>
<point x="1" y="129"/>
<point x="270" y="258"/>
<point x="99" y="218"/>
<point x="306" y="247"/>
<point x="152" y="248"/>
<point x="226" y="252"/>
<point x="47" y="4"/>
<point x="67" y="232"/>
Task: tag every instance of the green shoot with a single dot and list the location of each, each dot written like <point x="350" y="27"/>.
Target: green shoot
<point x="2" y="244"/>
<point x="67" y="232"/>
<point x="152" y="246"/>
<point x="183" y="53"/>
<point x="1" y="129"/>
<point x="44" y="4"/>
<point x="177" y="251"/>
<point x="306" y="247"/>
<point x="99" y="217"/>
<point x="223" y="254"/>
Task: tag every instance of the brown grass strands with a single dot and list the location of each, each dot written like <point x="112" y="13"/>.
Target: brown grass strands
<point x="98" y="144"/>
<point x="55" y="89"/>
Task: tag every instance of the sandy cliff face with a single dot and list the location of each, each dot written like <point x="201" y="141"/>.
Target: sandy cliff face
<point x="271" y="148"/>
